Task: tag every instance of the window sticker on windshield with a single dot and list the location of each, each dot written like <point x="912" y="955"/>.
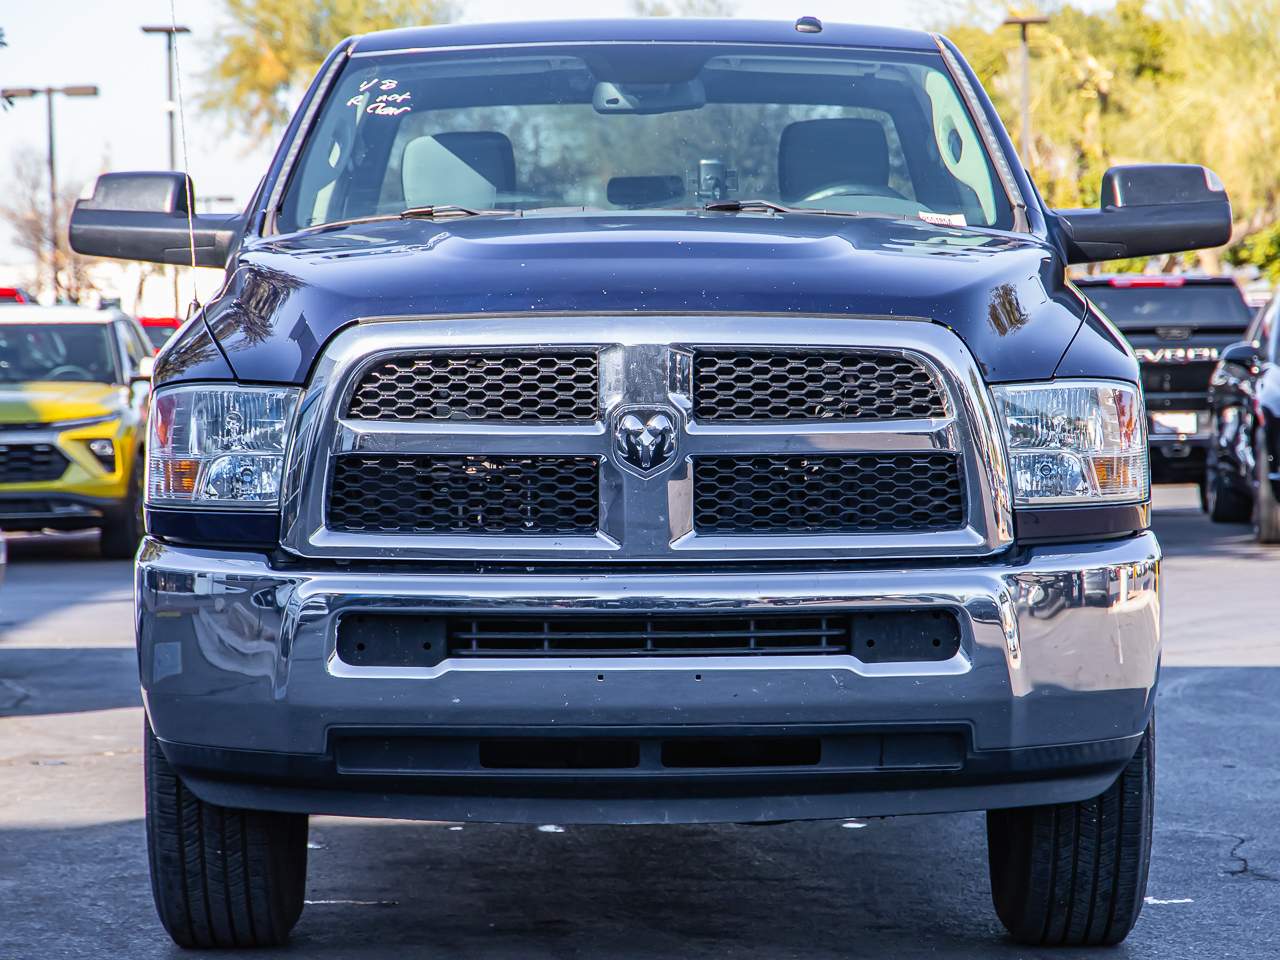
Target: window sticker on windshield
<point x="943" y="219"/>
<point x="381" y="97"/>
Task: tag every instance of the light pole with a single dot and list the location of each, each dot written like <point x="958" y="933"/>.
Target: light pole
<point x="170" y="33"/>
<point x="20" y="93"/>
<point x="1023" y="24"/>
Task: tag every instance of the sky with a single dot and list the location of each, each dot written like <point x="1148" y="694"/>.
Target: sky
<point x="60" y="42"/>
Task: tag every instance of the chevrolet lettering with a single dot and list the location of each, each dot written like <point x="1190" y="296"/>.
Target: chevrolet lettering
<point x="656" y="421"/>
<point x="1176" y="354"/>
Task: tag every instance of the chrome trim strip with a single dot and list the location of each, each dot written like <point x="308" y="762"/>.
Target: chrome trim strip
<point x="979" y="117"/>
<point x="956" y="666"/>
<point x="644" y="361"/>
<point x="273" y="201"/>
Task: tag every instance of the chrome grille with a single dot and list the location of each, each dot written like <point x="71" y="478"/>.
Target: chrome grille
<point x="828" y="494"/>
<point x="486" y="386"/>
<point x="482" y="495"/>
<point x="822" y="480"/>
<point x="793" y="385"/>
<point x="31" y="463"/>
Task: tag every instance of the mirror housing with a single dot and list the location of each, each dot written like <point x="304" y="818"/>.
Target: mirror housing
<point x="1149" y="209"/>
<point x="1242" y="354"/>
<point x="146" y="368"/>
<point x="143" y="216"/>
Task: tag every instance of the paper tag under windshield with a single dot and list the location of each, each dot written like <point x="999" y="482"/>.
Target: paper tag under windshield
<point x="943" y="219"/>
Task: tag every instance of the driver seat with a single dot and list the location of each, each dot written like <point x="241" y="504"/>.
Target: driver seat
<point x="813" y="154"/>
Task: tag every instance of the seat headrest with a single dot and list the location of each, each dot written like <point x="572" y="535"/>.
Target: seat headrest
<point x="468" y="168"/>
<point x="813" y="154"/>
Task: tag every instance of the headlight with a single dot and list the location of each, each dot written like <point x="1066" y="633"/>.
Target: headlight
<point x="1075" y="442"/>
<point x="218" y="446"/>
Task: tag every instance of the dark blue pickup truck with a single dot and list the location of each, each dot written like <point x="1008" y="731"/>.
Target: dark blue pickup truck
<point x="648" y="422"/>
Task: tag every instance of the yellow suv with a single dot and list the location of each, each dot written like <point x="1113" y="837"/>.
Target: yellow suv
<point x="74" y="394"/>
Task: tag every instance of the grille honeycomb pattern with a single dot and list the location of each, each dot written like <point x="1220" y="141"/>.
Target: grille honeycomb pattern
<point x="859" y="493"/>
<point x="30" y="463"/>
<point x="790" y="385"/>
<point x="391" y="493"/>
<point x="544" y="386"/>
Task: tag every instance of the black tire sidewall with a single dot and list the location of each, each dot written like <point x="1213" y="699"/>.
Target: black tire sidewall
<point x="123" y="527"/>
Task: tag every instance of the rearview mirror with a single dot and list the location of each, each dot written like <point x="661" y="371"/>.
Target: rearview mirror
<point x="144" y="216"/>
<point x="1148" y="209"/>
<point x="647" y="98"/>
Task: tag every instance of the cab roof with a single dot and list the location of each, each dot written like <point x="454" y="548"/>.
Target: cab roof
<point x="34" y="313"/>
<point x="669" y="29"/>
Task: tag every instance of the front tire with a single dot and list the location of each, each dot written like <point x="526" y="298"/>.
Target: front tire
<point x="1075" y="874"/>
<point x="221" y="877"/>
<point x="1223" y="502"/>
<point x="1266" y="510"/>
<point x="123" y="525"/>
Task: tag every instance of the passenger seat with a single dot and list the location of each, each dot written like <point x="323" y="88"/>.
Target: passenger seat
<point x="467" y="168"/>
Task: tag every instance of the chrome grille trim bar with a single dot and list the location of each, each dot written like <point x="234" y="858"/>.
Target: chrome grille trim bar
<point x="644" y="360"/>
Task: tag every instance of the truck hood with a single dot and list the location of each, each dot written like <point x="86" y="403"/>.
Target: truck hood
<point x="55" y="401"/>
<point x="1003" y="294"/>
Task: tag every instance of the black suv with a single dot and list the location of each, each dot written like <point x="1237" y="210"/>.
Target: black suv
<point x="1178" y="326"/>
<point x="1243" y="476"/>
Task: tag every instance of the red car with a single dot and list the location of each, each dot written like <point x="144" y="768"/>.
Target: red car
<point x="15" y="295"/>
<point x="158" y="329"/>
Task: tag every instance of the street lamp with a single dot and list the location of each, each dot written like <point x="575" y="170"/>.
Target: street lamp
<point x="1023" y="23"/>
<point x="170" y="33"/>
<point x="21" y="93"/>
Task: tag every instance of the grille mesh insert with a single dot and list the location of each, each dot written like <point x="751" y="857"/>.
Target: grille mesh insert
<point x="639" y="635"/>
<point x="753" y="385"/>
<point x="30" y="463"/>
<point x="391" y="493"/>
<point x="540" y="387"/>
<point x="894" y="492"/>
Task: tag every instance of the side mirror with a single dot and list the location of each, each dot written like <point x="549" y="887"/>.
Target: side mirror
<point x="146" y="367"/>
<point x="144" y="216"/>
<point x="1243" y="354"/>
<point x="1148" y="209"/>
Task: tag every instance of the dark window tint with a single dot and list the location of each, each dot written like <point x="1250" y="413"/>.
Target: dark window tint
<point x="57" y="351"/>
<point x="159" y="336"/>
<point x="1219" y="305"/>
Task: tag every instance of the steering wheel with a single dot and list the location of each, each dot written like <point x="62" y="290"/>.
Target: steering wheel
<point x="852" y="189"/>
<point x="58" y="373"/>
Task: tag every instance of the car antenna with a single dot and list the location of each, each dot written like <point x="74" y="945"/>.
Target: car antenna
<point x="194" y="306"/>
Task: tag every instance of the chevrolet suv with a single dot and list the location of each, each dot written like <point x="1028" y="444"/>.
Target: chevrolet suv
<point x="73" y="413"/>
<point x="648" y="422"/>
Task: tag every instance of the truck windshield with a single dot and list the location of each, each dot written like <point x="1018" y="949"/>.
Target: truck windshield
<point x="1201" y="305"/>
<point x="643" y="126"/>
<point x="56" y="351"/>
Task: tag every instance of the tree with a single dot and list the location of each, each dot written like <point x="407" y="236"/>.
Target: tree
<point x="1175" y="80"/>
<point x="273" y="48"/>
<point x="25" y="207"/>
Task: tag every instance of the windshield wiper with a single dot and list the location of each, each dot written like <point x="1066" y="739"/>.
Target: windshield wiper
<point x="751" y="206"/>
<point x="438" y="211"/>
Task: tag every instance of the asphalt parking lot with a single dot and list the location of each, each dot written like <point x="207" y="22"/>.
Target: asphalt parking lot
<point x="73" y="873"/>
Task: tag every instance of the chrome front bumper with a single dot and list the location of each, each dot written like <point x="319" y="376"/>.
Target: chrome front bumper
<point x="1057" y="669"/>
